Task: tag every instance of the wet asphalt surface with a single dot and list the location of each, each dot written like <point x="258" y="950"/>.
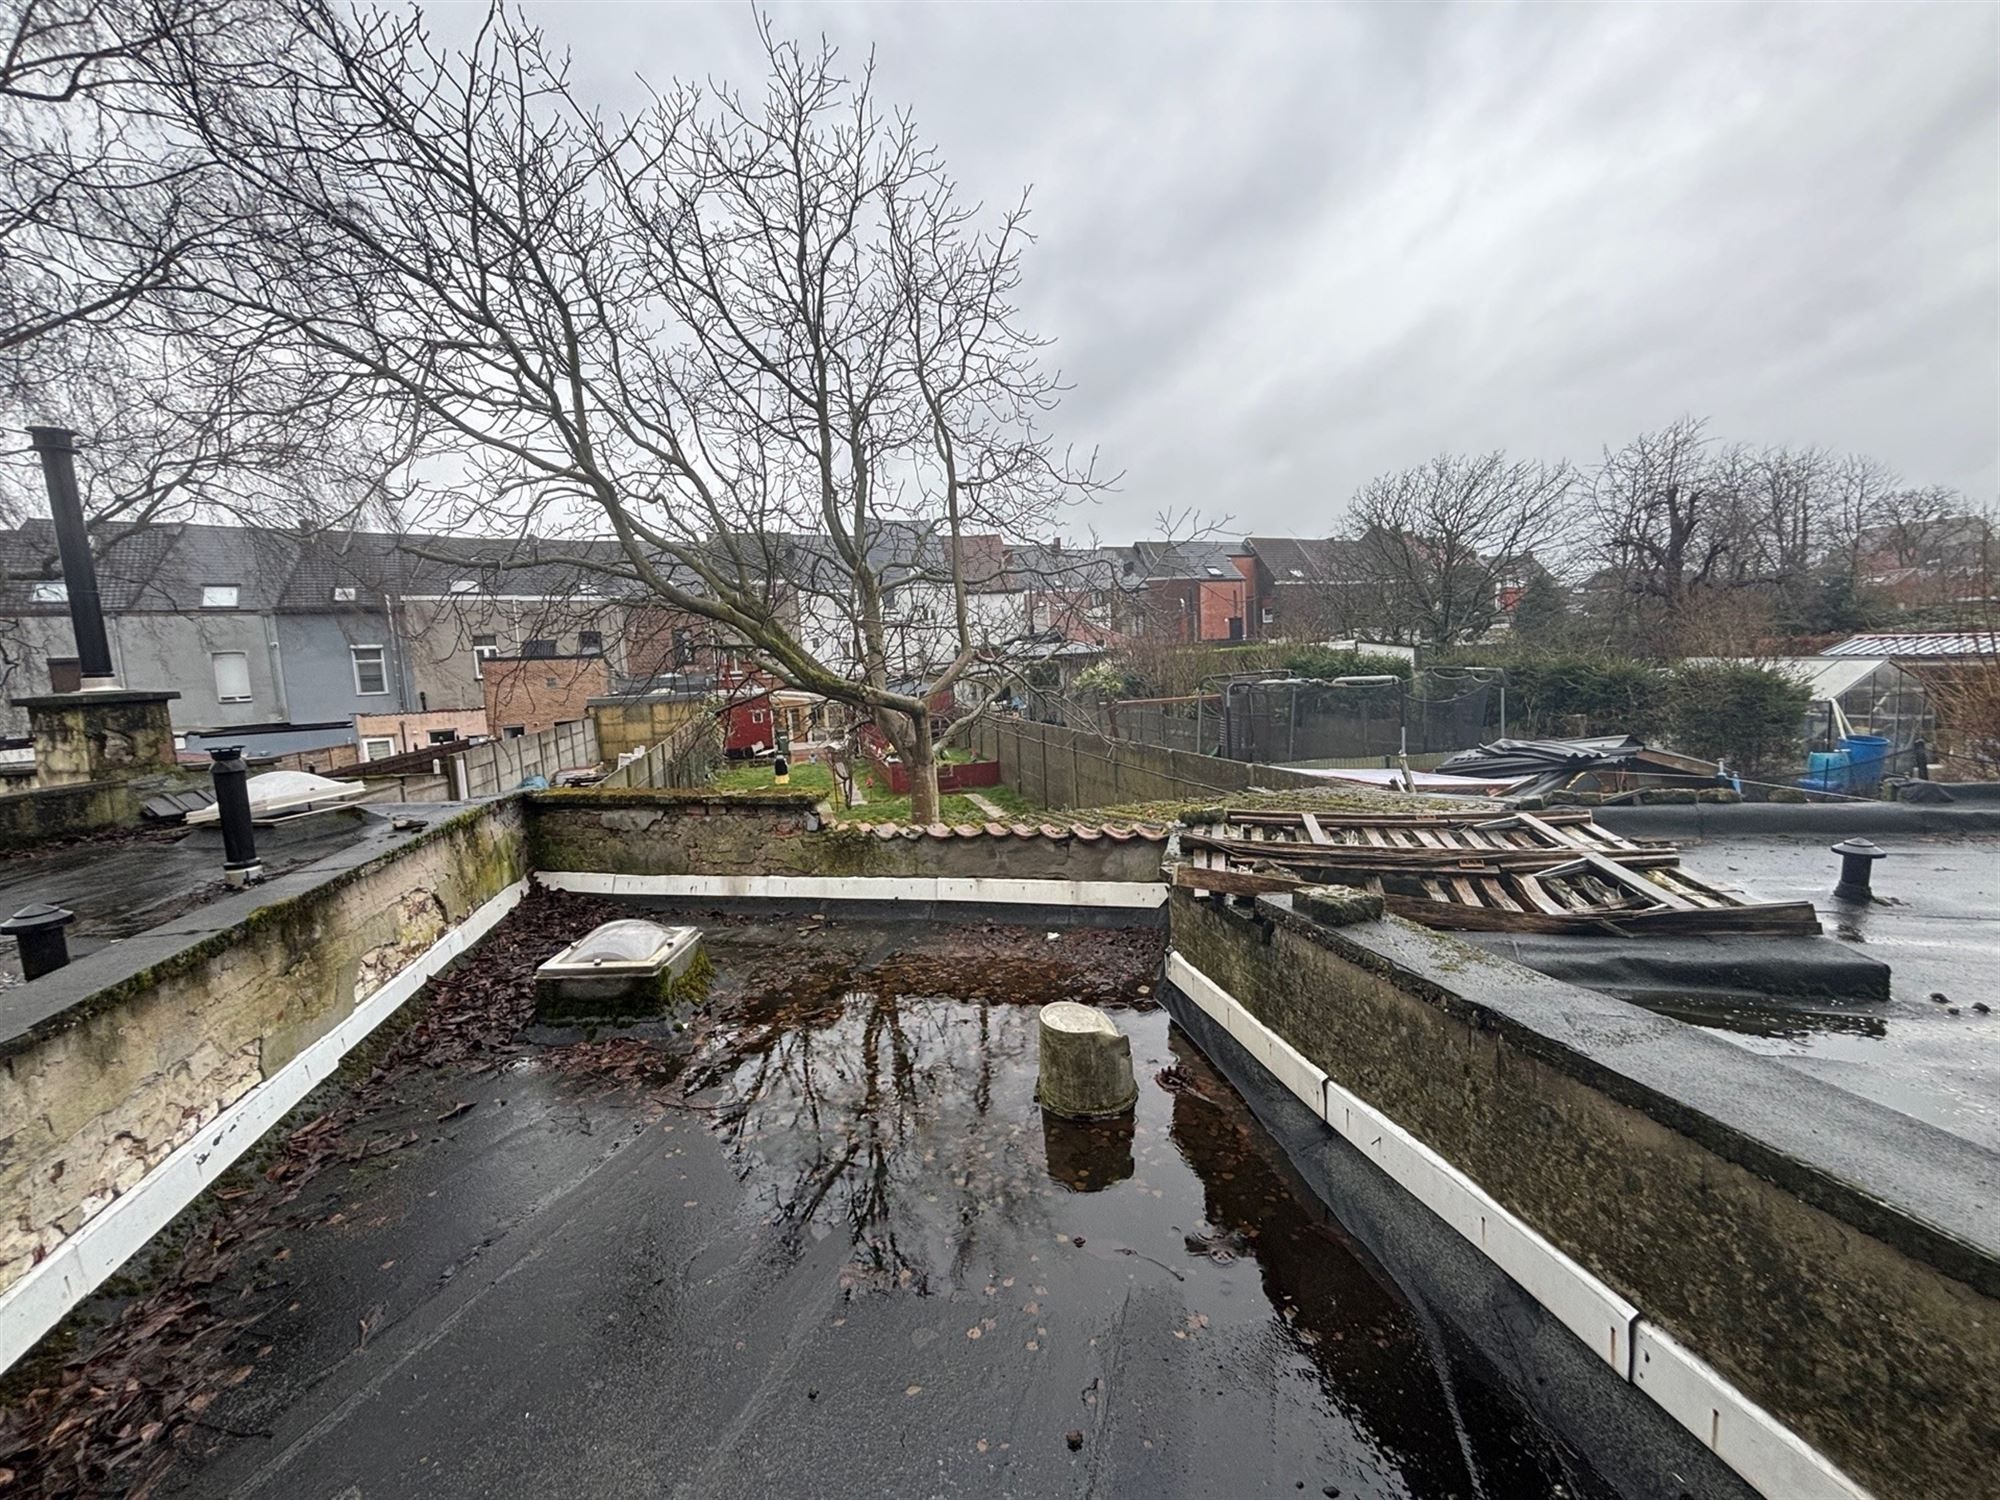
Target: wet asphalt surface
<point x="842" y="1253"/>
<point x="125" y="883"/>
<point x="1935" y="921"/>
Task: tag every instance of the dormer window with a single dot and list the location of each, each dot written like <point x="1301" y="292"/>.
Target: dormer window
<point x="50" y="591"/>
<point x="219" y="596"/>
<point x="343" y="594"/>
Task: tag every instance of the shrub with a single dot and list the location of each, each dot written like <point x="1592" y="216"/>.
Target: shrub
<point x="1106" y="679"/>
<point x="1748" y="715"/>
<point x="1558" y="697"/>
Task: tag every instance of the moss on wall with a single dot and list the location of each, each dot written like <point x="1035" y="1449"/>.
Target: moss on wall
<point x="99" y="1094"/>
<point x="786" y="833"/>
<point x="1887" y="1365"/>
<point x="46" y="814"/>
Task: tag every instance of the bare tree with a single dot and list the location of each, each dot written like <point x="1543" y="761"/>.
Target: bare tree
<point x="1435" y="544"/>
<point x="1667" y="512"/>
<point x="101" y="198"/>
<point x="761" y="344"/>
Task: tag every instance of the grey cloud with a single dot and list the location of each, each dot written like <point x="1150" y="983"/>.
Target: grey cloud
<point x="1283" y="249"/>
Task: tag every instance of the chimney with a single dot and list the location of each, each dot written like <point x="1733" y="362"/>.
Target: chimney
<point x="57" y="447"/>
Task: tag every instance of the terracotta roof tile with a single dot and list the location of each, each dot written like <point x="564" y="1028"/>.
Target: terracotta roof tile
<point x="1083" y="832"/>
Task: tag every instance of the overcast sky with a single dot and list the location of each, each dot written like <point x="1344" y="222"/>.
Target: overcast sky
<point x="1283" y="249"/>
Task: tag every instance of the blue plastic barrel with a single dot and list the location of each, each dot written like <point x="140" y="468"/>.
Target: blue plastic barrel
<point x="1826" y="771"/>
<point x="1866" y="755"/>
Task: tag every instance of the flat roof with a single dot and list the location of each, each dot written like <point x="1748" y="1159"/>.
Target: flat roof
<point x="842" y="1251"/>
<point x="1936" y="923"/>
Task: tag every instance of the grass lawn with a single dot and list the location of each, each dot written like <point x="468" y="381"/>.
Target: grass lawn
<point x="755" y="776"/>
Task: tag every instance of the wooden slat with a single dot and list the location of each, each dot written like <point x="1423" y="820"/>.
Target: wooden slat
<point x="1314" y="832"/>
<point x="1613" y="873"/>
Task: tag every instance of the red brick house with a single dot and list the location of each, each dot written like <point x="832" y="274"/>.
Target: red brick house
<point x="1183" y="591"/>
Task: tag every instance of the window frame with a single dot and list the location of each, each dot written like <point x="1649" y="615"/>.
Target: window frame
<point x="48" y="591"/>
<point x="485" y="646"/>
<point x="354" y="651"/>
<point x="215" y="676"/>
<point x="213" y="596"/>
<point x="369" y="755"/>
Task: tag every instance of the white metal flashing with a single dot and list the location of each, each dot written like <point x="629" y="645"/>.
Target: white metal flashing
<point x="1772" y="1458"/>
<point x="1133" y="895"/>
<point x="76" y="1267"/>
<point x="1743" y="1435"/>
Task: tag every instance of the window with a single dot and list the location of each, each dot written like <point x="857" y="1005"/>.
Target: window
<point x="219" y="596"/>
<point x="377" y="749"/>
<point x="343" y="593"/>
<point x="371" y="671"/>
<point x="1214" y="572"/>
<point x="589" y="640"/>
<point x="65" y="674"/>
<point x="443" y="736"/>
<point x="1269" y="615"/>
<point x="1296" y="572"/>
<point x="232" y="676"/>
<point x="539" y="648"/>
<point x="484" y="649"/>
<point x="50" y="591"/>
<point x="464" y="586"/>
<point x="514" y="731"/>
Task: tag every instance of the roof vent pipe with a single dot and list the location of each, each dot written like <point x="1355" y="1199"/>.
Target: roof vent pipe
<point x="1857" y="860"/>
<point x="240" y="866"/>
<point x="38" y="929"/>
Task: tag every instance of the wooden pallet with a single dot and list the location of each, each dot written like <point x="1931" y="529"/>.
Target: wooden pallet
<point x="1474" y="871"/>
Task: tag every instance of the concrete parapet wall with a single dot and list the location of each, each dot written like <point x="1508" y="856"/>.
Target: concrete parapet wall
<point x="111" y="1064"/>
<point x="1835" y="1262"/>
<point x="1060" y="767"/>
<point x="45" y="814"/>
<point x="786" y="833"/>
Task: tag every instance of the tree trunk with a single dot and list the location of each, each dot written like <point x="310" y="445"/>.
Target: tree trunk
<point x="923" y="771"/>
<point x="911" y="735"/>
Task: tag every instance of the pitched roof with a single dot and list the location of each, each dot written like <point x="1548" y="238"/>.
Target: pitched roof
<point x="1047" y="567"/>
<point x="165" y="568"/>
<point x="1303" y="559"/>
<point x="1937" y="644"/>
<point x="1154" y="562"/>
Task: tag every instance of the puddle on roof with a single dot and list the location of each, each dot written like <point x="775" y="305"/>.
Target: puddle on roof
<point x="1756" y="1016"/>
<point x="902" y="1129"/>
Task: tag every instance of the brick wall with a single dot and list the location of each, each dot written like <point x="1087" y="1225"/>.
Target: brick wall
<point x="536" y="693"/>
<point x="413" y="731"/>
<point x="1220" y="603"/>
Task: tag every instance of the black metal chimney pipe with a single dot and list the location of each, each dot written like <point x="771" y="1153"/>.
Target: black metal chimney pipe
<point x="232" y="799"/>
<point x="57" y="447"/>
